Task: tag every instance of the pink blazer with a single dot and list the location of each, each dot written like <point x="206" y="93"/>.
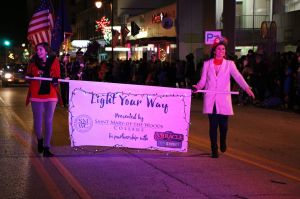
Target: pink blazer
<point x="221" y="82"/>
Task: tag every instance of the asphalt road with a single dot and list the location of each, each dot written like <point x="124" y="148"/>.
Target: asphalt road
<point x="262" y="160"/>
<point x="264" y="137"/>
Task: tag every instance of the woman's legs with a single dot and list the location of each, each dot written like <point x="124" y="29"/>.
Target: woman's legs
<point x="213" y="133"/>
<point x="223" y="124"/>
<point x="43" y="111"/>
<point x="37" y="110"/>
<point x="49" y="113"/>
<point x="213" y="130"/>
<point x="215" y="121"/>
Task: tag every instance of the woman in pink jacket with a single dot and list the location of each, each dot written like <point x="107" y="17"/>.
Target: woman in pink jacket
<point x="217" y="103"/>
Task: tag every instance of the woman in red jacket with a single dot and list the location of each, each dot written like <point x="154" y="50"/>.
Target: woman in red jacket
<point x="43" y="95"/>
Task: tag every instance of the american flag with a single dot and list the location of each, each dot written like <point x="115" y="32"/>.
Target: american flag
<point x="41" y="24"/>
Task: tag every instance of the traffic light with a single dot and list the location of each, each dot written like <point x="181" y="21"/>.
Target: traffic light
<point x="6" y="43"/>
<point x="135" y="29"/>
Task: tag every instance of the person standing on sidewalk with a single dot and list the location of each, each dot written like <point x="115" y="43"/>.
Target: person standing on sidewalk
<point x="43" y="95"/>
<point x="215" y="78"/>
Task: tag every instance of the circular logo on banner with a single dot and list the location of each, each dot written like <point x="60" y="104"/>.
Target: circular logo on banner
<point x="83" y="123"/>
<point x="167" y="23"/>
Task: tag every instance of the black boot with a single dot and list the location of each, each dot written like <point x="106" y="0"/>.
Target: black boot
<point x="214" y="152"/>
<point x="47" y="152"/>
<point x="223" y="146"/>
<point x="40" y="145"/>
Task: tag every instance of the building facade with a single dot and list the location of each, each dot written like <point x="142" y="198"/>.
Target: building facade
<point x="157" y="34"/>
<point x="265" y="25"/>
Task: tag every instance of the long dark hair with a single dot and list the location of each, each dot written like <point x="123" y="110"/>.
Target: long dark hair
<point x="51" y="55"/>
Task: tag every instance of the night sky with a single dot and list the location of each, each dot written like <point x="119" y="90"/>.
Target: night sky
<point x="14" y="21"/>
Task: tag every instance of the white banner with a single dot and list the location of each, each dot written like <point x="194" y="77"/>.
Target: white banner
<point x="133" y="116"/>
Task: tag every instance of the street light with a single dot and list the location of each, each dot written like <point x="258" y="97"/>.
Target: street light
<point x="98" y="5"/>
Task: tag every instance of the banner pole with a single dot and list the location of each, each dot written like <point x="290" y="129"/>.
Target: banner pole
<point x="217" y="92"/>
<point x="46" y="79"/>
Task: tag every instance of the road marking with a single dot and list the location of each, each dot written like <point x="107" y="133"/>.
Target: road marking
<point x="252" y="159"/>
<point x="73" y="182"/>
<point x="50" y="185"/>
<point x="71" y="179"/>
<point x="3" y="101"/>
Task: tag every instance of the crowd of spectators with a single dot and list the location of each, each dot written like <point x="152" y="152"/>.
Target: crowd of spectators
<point x="274" y="79"/>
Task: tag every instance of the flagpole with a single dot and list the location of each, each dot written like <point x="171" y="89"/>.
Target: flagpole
<point x="51" y="5"/>
<point x="63" y="26"/>
<point x="112" y="30"/>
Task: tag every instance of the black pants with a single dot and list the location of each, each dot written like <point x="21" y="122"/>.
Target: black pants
<point x="215" y="121"/>
<point x="64" y="91"/>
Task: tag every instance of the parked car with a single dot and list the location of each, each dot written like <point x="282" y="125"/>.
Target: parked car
<point x="13" y="74"/>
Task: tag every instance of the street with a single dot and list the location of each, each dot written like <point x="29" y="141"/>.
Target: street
<point x="262" y="160"/>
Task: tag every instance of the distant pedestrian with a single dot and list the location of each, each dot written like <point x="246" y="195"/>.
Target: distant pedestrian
<point x="215" y="77"/>
<point x="65" y="71"/>
<point x="78" y="66"/>
<point x="190" y="70"/>
<point x="43" y="95"/>
<point x="180" y="73"/>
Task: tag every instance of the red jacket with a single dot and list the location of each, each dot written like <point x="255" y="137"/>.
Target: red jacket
<point x="34" y="86"/>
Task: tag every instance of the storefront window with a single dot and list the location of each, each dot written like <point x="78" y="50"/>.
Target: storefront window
<point x="219" y="13"/>
<point x="292" y="5"/>
<point x="251" y="13"/>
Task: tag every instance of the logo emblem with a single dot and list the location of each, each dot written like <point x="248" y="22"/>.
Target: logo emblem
<point x="168" y="139"/>
<point x="83" y="123"/>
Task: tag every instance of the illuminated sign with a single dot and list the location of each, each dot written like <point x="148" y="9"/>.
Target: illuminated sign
<point x="157" y="18"/>
<point x="211" y="35"/>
